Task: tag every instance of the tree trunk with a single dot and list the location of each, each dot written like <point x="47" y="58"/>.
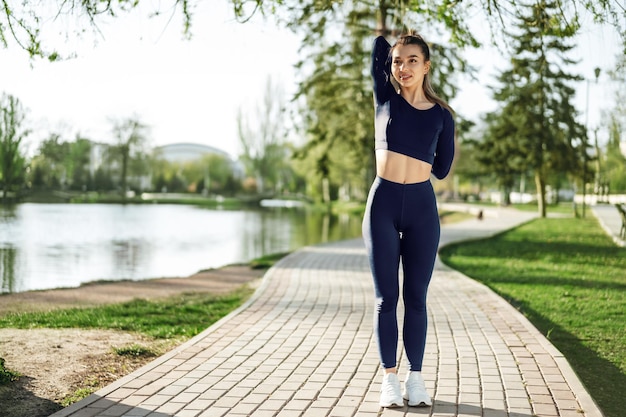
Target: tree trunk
<point x="541" y="193"/>
<point x="326" y="190"/>
<point x="124" y="173"/>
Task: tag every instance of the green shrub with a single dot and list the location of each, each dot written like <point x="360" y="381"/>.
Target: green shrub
<point x="6" y="375"/>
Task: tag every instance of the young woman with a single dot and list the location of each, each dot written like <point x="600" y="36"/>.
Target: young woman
<point x="414" y="137"/>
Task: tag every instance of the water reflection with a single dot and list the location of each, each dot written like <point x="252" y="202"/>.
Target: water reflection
<point x="61" y="245"/>
<point x="7" y="269"/>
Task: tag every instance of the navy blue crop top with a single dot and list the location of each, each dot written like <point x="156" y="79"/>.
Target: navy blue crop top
<point x="427" y="135"/>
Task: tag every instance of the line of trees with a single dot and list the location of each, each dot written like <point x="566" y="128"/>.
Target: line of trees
<point x="536" y="132"/>
<point x="130" y="165"/>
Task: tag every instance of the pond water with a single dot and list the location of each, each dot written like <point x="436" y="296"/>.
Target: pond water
<point x="44" y="246"/>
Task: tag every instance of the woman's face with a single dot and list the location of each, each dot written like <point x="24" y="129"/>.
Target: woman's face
<point x="408" y="66"/>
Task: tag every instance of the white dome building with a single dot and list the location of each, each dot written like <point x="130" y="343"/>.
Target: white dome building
<point x="184" y="152"/>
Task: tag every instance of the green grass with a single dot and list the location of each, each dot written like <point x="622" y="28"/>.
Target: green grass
<point x="562" y="208"/>
<point x="135" y="350"/>
<point x="77" y="395"/>
<point x="7" y="375"/>
<point x="175" y="317"/>
<point x="569" y="279"/>
<point x="267" y="261"/>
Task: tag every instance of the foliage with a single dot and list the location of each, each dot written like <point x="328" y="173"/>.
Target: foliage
<point x="336" y="87"/>
<point x="85" y="166"/>
<point x="12" y="134"/>
<point x="263" y="137"/>
<point x="134" y="350"/>
<point x="613" y="167"/>
<point x="61" y="164"/>
<point x="567" y="276"/>
<point x="27" y="23"/>
<point x="129" y="151"/>
<point x="265" y="262"/>
<point x="614" y="163"/>
<point x="211" y="174"/>
<point x="77" y="395"/>
<point x="536" y="129"/>
<point x="334" y="94"/>
<point x="7" y="375"/>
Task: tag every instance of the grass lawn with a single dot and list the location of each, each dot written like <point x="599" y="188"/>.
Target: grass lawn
<point x="179" y="317"/>
<point x="568" y="277"/>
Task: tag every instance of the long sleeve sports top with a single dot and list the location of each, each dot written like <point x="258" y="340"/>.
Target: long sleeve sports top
<point x="427" y="135"/>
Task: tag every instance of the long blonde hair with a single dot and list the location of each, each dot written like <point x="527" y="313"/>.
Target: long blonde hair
<point x="429" y="92"/>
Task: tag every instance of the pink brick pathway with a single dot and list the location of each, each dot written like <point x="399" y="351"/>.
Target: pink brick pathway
<point x="303" y="346"/>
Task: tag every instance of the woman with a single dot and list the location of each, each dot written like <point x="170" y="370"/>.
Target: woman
<point x="414" y="132"/>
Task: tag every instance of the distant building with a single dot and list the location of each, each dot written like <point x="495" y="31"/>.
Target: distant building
<point x="185" y="152"/>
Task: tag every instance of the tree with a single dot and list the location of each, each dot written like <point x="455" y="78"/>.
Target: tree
<point x="536" y="129"/>
<point x="262" y="135"/>
<point x="24" y="23"/>
<point x="48" y="162"/>
<point x="614" y="164"/>
<point x="12" y="135"/>
<point x="129" y="150"/>
<point x="77" y="162"/>
<point x="336" y="86"/>
<point x="62" y="164"/>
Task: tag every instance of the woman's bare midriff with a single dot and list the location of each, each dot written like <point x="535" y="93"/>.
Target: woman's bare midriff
<point x="400" y="168"/>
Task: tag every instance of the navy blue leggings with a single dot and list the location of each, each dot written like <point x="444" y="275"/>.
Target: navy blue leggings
<point x="401" y="223"/>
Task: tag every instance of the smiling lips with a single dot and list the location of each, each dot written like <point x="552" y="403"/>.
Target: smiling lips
<point x="405" y="77"/>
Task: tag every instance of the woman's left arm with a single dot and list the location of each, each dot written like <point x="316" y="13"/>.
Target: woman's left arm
<point x="445" y="147"/>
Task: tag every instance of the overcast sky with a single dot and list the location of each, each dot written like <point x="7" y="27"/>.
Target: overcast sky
<point x="190" y="90"/>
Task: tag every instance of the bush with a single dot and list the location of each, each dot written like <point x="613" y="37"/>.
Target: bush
<point x="7" y="375"/>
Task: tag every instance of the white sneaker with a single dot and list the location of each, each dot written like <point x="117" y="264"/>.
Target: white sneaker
<point x="415" y="390"/>
<point x="390" y="394"/>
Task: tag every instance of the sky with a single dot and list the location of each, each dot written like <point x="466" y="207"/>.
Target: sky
<point x="191" y="90"/>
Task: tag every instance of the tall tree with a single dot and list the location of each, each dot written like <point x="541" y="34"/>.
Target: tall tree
<point x="22" y="22"/>
<point x="12" y="134"/>
<point x="336" y="82"/>
<point x="129" y="149"/>
<point x="614" y="164"/>
<point x="263" y="135"/>
<point x="537" y="129"/>
<point x="77" y="161"/>
<point x="48" y="162"/>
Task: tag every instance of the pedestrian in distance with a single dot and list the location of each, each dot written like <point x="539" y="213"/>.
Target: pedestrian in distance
<point x="414" y="138"/>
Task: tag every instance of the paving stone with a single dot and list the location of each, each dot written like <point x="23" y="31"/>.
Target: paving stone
<point x="304" y="346"/>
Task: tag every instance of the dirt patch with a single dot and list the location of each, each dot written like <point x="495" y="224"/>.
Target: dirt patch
<point x="56" y="363"/>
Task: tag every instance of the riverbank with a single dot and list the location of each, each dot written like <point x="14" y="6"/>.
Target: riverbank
<point x="214" y="281"/>
<point x="57" y="363"/>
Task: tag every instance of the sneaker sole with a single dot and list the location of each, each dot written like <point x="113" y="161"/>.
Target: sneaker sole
<point x="421" y="404"/>
<point x="392" y="405"/>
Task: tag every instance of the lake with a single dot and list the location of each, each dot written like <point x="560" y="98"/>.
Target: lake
<point x="44" y="246"/>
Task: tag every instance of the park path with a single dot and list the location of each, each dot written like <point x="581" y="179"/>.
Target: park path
<point x="303" y="346"/>
<point x="610" y="220"/>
